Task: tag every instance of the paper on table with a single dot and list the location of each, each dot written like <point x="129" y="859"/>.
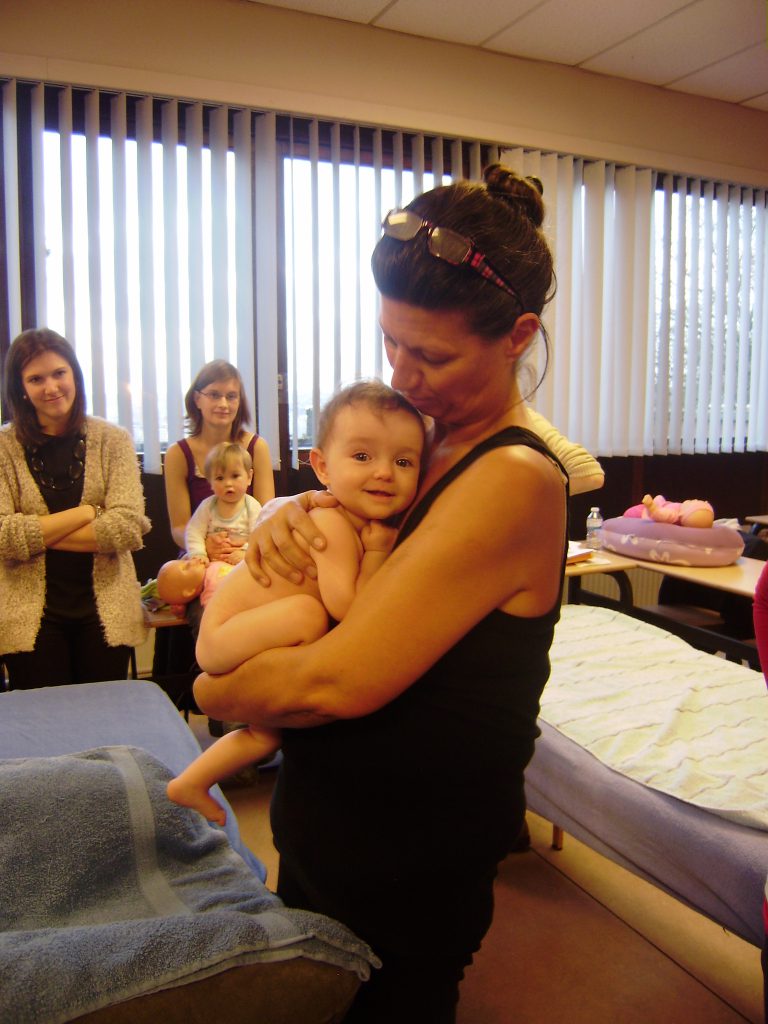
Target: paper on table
<point x="578" y="553"/>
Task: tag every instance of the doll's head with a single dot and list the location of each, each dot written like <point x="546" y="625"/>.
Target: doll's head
<point x="695" y="512"/>
<point x="180" y="580"/>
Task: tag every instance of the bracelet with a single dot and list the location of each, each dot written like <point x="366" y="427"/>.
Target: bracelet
<point x="98" y="510"/>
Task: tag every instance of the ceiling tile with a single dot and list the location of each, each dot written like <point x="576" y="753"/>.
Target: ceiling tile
<point x="568" y="33"/>
<point x="735" y="79"/>
<point x="692" y="38"/>
<point x="706" y="47"/>
<point x="454" y="20"/>
<point x="759" y="102"/>
<point x="363" y="11"/>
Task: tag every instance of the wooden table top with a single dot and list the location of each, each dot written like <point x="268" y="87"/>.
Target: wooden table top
<point x="739" y="578"/>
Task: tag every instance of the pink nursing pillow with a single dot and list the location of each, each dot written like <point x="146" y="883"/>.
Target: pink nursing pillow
<point x="667" y="542"/>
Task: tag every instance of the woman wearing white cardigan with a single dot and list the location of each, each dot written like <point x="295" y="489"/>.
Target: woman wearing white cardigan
<point x="71" y="513"/>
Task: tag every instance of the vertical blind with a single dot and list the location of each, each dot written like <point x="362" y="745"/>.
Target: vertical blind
<point x="142" y="241"/>
<point x="659" y="326"/>
<point x="158" y="233"/>
<point x="339" y="181"/>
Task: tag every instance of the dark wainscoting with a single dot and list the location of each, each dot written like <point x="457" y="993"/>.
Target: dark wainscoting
<point x="736" y="485"/>
<point x="159" y="546"/>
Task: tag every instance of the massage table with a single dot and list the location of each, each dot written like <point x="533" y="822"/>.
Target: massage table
<point x="116" y="905"/>
<point x="655" y="754"/>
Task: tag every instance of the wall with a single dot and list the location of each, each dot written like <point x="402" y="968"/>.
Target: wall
<point x="240" y="52"/>
<point x="736" y="485"/>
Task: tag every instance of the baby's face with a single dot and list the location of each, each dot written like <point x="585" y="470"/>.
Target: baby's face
<point x="371" y="460"/>
<point x="230" y="482"/>
<point x="180" y="581"/>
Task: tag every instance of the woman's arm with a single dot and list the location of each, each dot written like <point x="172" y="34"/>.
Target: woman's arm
<point x="25" y="532"/>
<point x="471" y="554"/>
<point x="59" y="528"/>
<point x="263" y="486"/>
<point x="82" y="538"/>
<point x="196" y="532"/>
<point x="177" y="492"/>
<point x="113" y="481"/>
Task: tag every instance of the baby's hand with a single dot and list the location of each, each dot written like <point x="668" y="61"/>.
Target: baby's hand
<point x="378" y="537"/>
<point x="235" y="556"/>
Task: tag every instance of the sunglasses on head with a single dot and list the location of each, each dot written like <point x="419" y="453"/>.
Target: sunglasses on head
<point x="445" y="244"/>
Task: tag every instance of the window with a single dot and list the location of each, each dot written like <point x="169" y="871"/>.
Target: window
<point x="710" y="322"/>
<point x="139" y="216"/>
<point x="84" y="313"/>
<point x="157" y="234"/>
<point x="338" y="183"/>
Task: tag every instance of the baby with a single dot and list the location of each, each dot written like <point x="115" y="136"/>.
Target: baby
<point x="368" y="454"/>
<point x="230" y="509"/>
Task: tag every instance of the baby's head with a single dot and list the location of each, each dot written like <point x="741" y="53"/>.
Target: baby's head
<point x="180" y="580"/>
<point x="370" y="443"/>
<point x="229" y="471"/>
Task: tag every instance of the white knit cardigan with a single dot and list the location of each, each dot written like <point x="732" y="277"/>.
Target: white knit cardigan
<point x="111" y="480"/>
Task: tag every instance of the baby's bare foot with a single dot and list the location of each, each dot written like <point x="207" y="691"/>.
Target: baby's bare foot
<point x="188" y="795"/>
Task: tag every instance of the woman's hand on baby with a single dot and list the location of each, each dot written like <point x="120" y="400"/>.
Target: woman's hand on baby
<point x="218" y="546"/>
<point x="273" y="544"/>
<point x="375" y="536"/>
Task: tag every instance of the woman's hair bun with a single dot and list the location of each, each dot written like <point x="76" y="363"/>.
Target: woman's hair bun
<point x="525" y="193"/>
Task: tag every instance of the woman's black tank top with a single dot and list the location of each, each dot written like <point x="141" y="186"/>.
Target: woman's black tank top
<point x="466" y="727"/>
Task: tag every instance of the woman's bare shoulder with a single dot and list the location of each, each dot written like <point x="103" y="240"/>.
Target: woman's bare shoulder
<point x="518" y="471"/>
<point x="174" y="457"/>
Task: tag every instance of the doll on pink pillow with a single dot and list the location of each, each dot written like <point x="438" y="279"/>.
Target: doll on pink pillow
<point x="692" y="512"/>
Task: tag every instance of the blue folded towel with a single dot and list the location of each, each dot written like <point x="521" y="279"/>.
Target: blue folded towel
<point x="108" y="891"/>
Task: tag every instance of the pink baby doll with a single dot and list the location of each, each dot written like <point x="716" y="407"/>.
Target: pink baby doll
<point x="693" y="512"/>
<point x="183" y="579"/>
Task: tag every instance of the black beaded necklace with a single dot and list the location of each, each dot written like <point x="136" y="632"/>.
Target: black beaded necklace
<point x="54" y="478"/>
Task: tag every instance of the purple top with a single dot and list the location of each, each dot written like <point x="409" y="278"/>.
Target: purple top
<point x="760" y="614"/>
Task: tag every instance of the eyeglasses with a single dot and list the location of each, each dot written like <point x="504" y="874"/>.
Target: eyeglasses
<point x="445" y="244"/>
<point x="231" y="397"/>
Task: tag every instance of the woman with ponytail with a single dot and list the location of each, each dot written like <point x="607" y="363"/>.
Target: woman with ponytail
<point x="407" y="728"/>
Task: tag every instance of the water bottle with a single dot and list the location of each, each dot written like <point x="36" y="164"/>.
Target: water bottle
<point x="594" y="529"/>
